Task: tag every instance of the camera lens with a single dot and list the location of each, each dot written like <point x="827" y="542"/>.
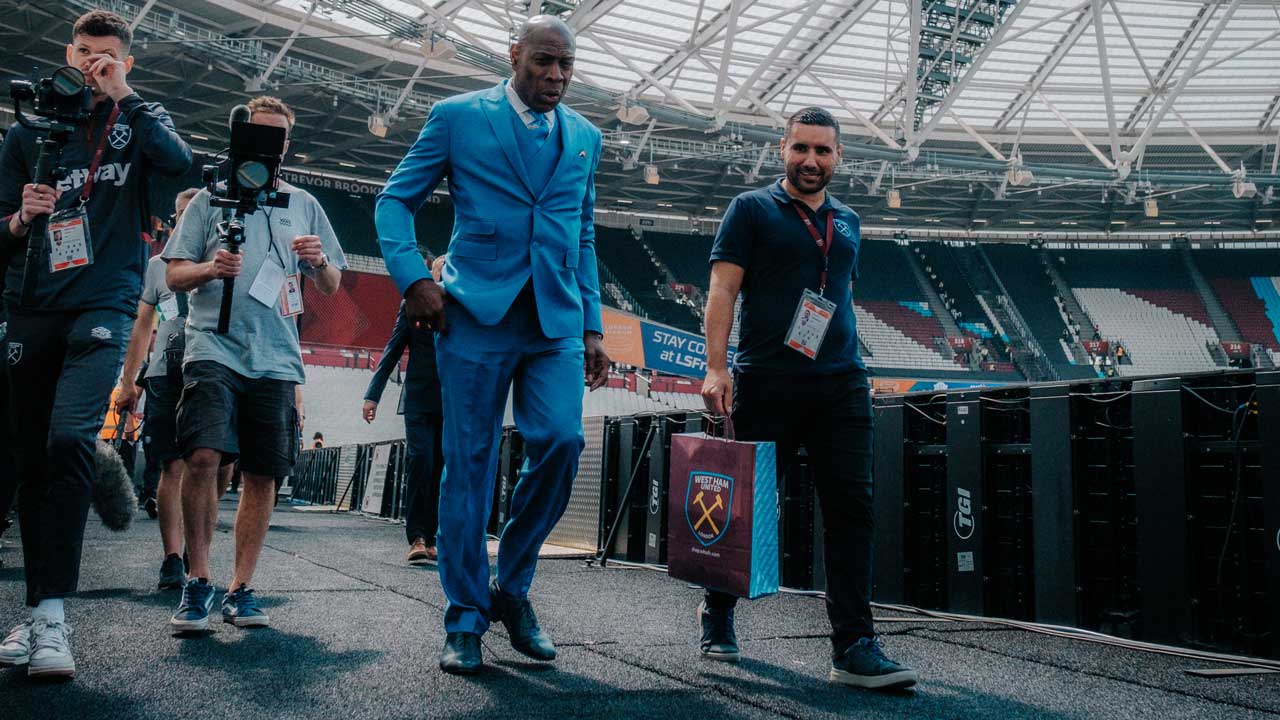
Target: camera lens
<point x="253" y="175"/>
<point x="67" y="81"/>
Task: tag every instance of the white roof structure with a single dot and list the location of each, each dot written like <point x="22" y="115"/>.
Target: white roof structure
<point x="965" y="106"/>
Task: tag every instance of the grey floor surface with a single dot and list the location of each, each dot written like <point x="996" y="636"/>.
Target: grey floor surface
<point x="356" y="633"/>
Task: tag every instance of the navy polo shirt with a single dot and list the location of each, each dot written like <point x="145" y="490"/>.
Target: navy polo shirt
<point x="762" y="233"/>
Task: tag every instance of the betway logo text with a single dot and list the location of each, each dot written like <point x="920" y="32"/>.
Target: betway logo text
<point x="114" y="173"/>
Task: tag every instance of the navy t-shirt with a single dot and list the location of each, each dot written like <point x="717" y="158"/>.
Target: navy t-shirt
<point x="762" y="233"/>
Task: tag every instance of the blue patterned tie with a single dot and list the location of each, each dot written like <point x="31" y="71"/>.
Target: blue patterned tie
<point x="540" y="128"/>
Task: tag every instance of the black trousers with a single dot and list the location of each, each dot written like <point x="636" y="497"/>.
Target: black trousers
<point x="831" y="417"/>
<point x="425" y="460"/>
<point x="62" y="367"/>
<point x="8" y="466"/>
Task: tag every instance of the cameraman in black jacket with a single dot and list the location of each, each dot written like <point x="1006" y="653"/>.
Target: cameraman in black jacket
<point x="64" y="350"/>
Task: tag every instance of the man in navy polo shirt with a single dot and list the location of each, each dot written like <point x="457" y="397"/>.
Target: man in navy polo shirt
<point x="792" y="251"/>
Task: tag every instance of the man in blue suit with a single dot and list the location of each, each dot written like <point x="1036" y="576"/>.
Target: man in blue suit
<point x="522" y="300"/>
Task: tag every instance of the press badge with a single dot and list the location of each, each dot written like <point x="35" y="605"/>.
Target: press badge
<point x="291" y="296"/>
<point x="809" y="326"/>
<point x="169" y="308"/>
<point x="266" y="287"/>
<point x="69" y="245"/>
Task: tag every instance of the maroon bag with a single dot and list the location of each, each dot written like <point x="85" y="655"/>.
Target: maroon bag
<point x="722" y="514"/>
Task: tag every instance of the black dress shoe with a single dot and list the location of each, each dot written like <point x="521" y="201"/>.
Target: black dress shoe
<point x="461" y="654"/>
<point x="517" y="617"/>
<point x="719" y="642"/>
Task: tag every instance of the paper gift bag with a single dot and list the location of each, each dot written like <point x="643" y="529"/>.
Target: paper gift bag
<point x="723" y="514"/>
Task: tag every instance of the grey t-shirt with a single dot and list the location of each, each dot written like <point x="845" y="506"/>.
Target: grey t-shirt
<point x="172" y="319"/>
<point x="261" y="342"/>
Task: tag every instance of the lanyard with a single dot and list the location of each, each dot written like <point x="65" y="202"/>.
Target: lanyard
<point x="824" y="245"/>
<point x="97" y="156"/>
<point x="275" y="250"/>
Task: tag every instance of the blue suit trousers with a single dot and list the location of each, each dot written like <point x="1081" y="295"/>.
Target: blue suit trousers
<point x="478" y="366"/>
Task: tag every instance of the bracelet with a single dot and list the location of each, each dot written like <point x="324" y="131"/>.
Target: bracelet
<point x="22" y="222"/>
<point x="324" y="262"/>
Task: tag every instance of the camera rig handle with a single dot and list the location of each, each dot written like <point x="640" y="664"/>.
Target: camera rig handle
<point x="49" y="170"/>
<point x="231" y="233"/>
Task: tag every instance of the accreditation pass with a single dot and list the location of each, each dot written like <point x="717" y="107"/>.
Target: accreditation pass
<point x="809" y="326"/>
<point x="69" y="240"/>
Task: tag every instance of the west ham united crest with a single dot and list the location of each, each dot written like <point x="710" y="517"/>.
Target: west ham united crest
<point x="707" y="505"/>
<point x="120" y="136"/>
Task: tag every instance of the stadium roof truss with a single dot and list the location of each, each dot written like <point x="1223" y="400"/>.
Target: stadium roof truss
<point x="979" y="113"/>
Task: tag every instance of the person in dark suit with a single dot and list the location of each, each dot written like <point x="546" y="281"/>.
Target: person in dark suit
<point x="420" y="396"/>
<point x="522" y="299"/>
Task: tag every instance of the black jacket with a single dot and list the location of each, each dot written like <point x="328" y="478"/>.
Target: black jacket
<point x="143" y="141"/>
<point x="421" y="382"/>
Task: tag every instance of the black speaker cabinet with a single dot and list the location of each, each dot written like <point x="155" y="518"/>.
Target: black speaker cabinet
<point x="800" y="527"/>
<point x="1007" y="545"/>
<point x="889" y="502"/>
<point x="627" y="441"/>
<point x="1161" y="485"/>
<point x="655" y="541"/>
<point x="964" y="503"/>
<point x="926" y="522"/>
<point x="1269" y="438"/>
<point x="1052" y="505"/>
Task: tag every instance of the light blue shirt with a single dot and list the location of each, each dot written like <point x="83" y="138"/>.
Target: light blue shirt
<point x="156" y="292"/>
<point x="261" y="342"/>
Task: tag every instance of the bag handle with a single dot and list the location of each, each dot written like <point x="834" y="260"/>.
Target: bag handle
<point x="715" y="420"/>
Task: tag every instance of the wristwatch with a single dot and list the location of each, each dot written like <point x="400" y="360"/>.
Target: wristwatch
<point x="324" y="262"/>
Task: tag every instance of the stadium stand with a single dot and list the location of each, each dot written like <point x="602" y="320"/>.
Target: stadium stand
<point x="1032" y="292"/>
<point x="686" y="256"/>
<point x="1245" y="282"/>
<point x="896" y="325"/>
<point x="942" y="267"/>
<point x="1145" y="300"/>
<point x="633" y="267"/>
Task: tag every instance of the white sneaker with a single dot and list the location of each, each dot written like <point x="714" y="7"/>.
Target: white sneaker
<point x="16" y="648"/>
<point x="50" y="650"/>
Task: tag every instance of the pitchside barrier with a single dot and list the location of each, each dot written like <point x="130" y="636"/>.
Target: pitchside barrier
<point x="1146" y="508"/>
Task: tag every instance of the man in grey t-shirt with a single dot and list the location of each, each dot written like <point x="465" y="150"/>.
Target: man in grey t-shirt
<point x="238" y="394"/>
<point x="162" y="383"/>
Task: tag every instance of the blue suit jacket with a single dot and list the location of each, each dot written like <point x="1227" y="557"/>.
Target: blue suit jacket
<point x="504" y="232"/>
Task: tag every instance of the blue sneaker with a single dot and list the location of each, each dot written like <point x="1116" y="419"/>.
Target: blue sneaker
<point x="240" y="608"/>
<point x="865" y="665"/>
<point x="193" y="611"/>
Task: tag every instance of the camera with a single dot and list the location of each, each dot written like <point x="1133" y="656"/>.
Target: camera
<point x="65" y="103"/>
<point x="253" y="178"/>
<point x="61" y="98"/>
<point x="253" y="167"/>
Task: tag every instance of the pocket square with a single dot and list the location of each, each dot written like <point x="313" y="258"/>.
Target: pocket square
<point x="582" y="153"/>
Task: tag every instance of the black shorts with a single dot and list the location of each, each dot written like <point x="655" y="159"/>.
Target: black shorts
<point x="250" y="419"/>
<point x="160" y="431"/>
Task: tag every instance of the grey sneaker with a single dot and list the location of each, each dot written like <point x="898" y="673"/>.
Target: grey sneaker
<point x="865" y="665"/>
<point x="16" y="648"/>
<point x="51" y="650"/>
<point x="240" y="608"/>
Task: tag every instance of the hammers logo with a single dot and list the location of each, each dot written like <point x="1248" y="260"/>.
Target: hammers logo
<point x="120" y="136"/>
<point x="707" y="505"/>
